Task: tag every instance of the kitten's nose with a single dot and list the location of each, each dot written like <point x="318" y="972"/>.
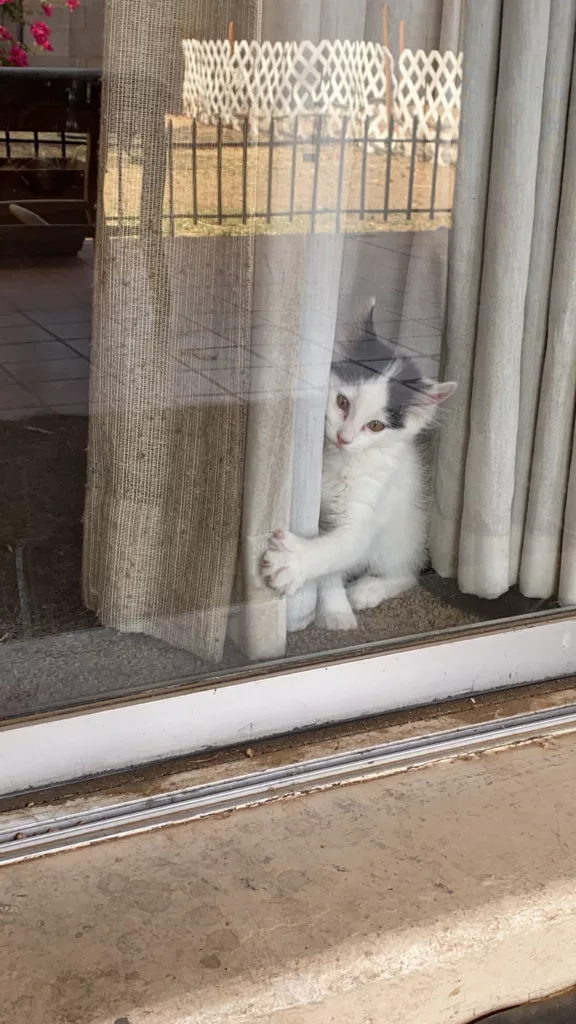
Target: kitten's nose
<point x="341" y="440"/>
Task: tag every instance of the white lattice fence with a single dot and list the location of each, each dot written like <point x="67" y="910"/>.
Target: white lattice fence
<point x="338" y="79"/>
<point x="429" y="87"/>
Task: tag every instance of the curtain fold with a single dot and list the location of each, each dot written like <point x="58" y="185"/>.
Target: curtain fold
<point x="528" y="543"/>
<point x="503" y="460"/>
<point x="259" y="622"/>
<point x="466" y="255"/>
<point x="319" y="309"/>
<point x="484" y="555"/>
<point x="286" y="427"/>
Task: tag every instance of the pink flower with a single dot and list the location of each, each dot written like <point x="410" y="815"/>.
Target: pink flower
<point x="5" y="34"/>
<point x="41" y="35"/>
<point x="72" y="4"/>
<point x="17" y="56"/>
<point x="47" y="8"/>
<point x="2" y="2"/>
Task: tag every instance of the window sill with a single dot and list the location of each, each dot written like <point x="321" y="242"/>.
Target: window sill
<point x="427" y="897"/>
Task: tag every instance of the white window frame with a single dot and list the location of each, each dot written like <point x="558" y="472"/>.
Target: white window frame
<point x="71" y="745"/>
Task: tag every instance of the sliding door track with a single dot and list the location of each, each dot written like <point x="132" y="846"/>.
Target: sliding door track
<point x="69" y="832"/>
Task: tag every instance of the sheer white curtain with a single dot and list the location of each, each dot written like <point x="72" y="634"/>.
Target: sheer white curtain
<point x="500" y="513"/>
<point x="296" y="289"/>
<point x="303" y="285"/>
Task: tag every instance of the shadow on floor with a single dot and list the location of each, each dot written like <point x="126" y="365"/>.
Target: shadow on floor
<point x="556" y="1010"/>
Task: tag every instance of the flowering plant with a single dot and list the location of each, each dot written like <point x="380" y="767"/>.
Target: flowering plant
<point x="13" y="50"/>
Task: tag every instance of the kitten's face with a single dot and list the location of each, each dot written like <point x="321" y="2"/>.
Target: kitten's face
<point x="356" y="414"/>
<point x="362" y="414"/>
<point x="377" y="398"/>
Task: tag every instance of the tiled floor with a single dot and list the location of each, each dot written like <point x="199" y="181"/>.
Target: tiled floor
<point x="45" y="330"/>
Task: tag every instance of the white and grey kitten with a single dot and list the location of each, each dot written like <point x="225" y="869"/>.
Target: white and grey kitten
<point x="373" y="521"/>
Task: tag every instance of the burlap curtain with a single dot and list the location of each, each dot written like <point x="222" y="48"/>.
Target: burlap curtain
<point x="165" y="465"/>
<point x="504" y="467"/>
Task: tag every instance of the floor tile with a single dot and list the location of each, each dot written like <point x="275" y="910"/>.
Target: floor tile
<point x="438" y="322"/>
<point x="213" y="358"/>
<point x="80" y="409"/>
<point x="21" y="414"/>
<point x="29" y="373"/>
<point x="33" y="351"/>
<point x="62" y="392"/>
<point x="81" y="345"/>
<point x="405" y="329"/>
<point x="14" y="320"/>
<point x="71" y="330"/>
<point x="12" y="396"/>
<point x="23" y="334"/>
<point x="213" y="381"/>
<point x="75" y="314"/>
<point x="427" y="346"/>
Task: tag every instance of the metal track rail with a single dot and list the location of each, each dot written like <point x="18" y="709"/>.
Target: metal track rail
<point x="136" y="816"/>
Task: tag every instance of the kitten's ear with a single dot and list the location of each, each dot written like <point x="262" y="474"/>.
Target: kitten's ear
<point x="438" y="391"/>
<point x="429" y="396"/>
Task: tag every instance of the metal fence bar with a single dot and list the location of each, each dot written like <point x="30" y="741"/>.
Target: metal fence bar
<point x="341" y="173"/>
<point x="194" y="172"/>
<point x="412" y="169"/>
<point x="245" y="171"/>
<point x="293" y="167"/>
<point x="435" y="168"/>
<point x="388" y="178"/>
<point x="7" y="144"/>
<point x="170" y="170"/>
<point x="36" y="145"/>
<point x="219" y="167"/>
<point x="63" y="145"/>
<point x="270" y="172"/>
<point x="316" y="173"/>
<point x="120" y="188"/>
<point x="364" y="167"/>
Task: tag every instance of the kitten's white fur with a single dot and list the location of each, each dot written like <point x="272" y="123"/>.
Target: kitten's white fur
<point x="373" y="514"/>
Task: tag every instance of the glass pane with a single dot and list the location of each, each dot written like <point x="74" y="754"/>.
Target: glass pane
<point x="327" y="399"/>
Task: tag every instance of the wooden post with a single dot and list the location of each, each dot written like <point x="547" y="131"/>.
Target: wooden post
<point x="387" y="66"/>
<point x="231" y="36"/>
<point x="401" y="38"/>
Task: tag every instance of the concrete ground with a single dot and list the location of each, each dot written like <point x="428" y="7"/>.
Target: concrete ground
<point x="435" y="896"/>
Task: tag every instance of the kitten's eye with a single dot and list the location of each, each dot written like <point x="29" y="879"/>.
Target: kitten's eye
<point x="343" y="403"/>
<point x="376" y="426"/>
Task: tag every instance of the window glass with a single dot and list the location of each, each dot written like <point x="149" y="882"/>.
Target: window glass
<point x="287" y="328"/>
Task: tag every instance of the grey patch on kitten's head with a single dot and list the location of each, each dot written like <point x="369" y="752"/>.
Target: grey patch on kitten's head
<point x="365" y="357"/>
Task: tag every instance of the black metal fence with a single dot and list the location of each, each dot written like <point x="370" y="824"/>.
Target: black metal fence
<point x="39" y="145"/>
<point x="309" y="176"/>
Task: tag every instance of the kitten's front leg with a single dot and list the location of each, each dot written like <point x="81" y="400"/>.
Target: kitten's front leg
<point x="289" y="560"/>
<point x="334" y="611"/>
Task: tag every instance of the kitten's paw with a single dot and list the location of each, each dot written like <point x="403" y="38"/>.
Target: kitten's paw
<point x="282" y="565"/>
<point x="370" y="591"/>
<point x="367" y="592"/>
<point x="326" y="619"/>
